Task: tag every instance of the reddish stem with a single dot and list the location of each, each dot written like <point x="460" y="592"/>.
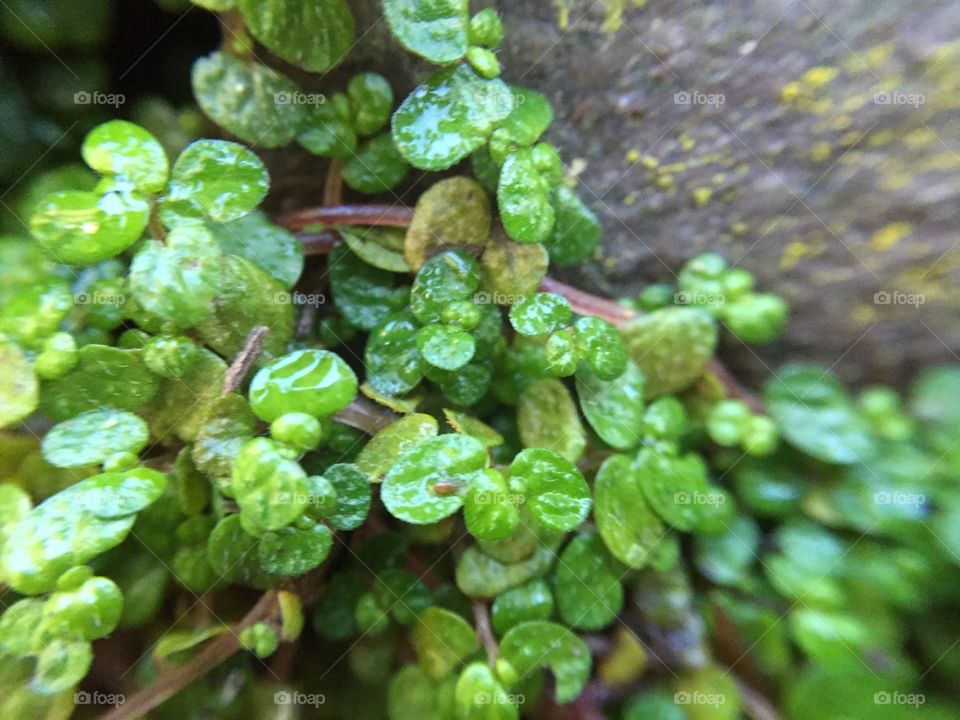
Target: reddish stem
<point x="383" y="215"/>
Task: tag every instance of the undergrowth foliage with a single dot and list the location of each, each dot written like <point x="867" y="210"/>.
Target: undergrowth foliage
<point x="464" y="490"/>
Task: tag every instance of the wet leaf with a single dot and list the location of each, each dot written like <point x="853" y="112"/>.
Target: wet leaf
<point x="18" y="387"/>
<point x="316" y="382"/>
<point x="409" y="488"/>
<point x="381" y="247"/>
<point x="92" y="437"/>
<point x="628" y="526"/>
<point x="315" y="36"/>
<point x="353" y="496"/>
<point x="294" y="550"/>
<point x="449" y="116"/>
<point x="547" y="418"/>
<point x="270" y="489"/>
<point x="127" y="151"/>
<point x="532" y="645"/>
<point x="365" y="294"/>
<point x="268" y="246"/>
<point x="248" y="99"/>
<point x="556" y="491"/>
<point x="214" y="179"/>
<point x="442" y="639"/>
<point x="386" y="447"/>
<point x="614" y="408"/>
<point x="588" y="584"/>
<point x="376" y="167"/>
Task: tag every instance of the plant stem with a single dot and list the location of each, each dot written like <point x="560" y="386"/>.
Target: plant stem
<point x="481" y="618"/>
<point x="244" y="360"/>
<point x="333" y="186"/>
<point x="382" y="215"/>
<point x="365" y="415"/>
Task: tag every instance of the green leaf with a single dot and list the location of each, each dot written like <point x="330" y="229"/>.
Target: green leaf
<point x="268" y="246"/>
<point x="248" y="297"/>
<point x="393" y="361"/>
<point x="248" y="99"/>
<point x="490" y="509"/>
<point x="372" y="99"/>
<point x="228" y="424"/>
<point x="234" y="555"/>
<point x="530" y="118"/>
<point x="531" y="601"/>
<point x="726" y="558"/>
<point x="214" y="179"/>
<point x="173" y="645"/>
<point x="480" y="696"/>
<point x="628" y="527"/>
<point x="178" y="280"/>
<point x="82" y="228"/>
<point x="376" y="167"/>
<point x="60" y="666"/>
<point x="449" y="116"/>
<point x="453" y="213"/>
<point x="353" y="496"/>
<point x="614" y="408"/>
<point x="364" y="294"/>
<point x="556" y="490"/>
<point x="408" y="490"/>
<point x="480" y="575"/>
<point x="120" y="148"/>
<point x="316" y="382"/>
<point x="676" y="486"/>
<point x="92" y="437"/>
<point x="104" y="376"/>
<point x="468" y="425"/>
<point x="433" y="29"/>
<point x="381" y="247"/>
<point x="294" y="550"/>
<point x="75" y="526"/>
<point x="405" y="594"/>
<point x="18" y="387"/>
<point x="547" y="418"/>
<point x="576" y="232"/>
<point x="511" y="270"/>
<point x="671" y="346"/>
<point x="91" y="611"/>
<point x="445" y="346"/>
<point x="523" y="194"/>
<point x="327" y="130"/>
<point x="445" y="278"/>
<point x="588" y="584"/>
<point x="532" y="645"/>
<point x="270" y="489"/>
<point x="540" y="314"/>
<point x="412" y="695"/>
<point x="602" y="347"/>
<point x="315" y="36"/>
<point x="182" y="404"/>
<point x="442" y="639"/>
<point x="816" y="416"/>
<point x="386" y="447"/>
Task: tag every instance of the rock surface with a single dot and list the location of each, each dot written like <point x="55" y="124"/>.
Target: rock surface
<point x="814" y="143"/>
